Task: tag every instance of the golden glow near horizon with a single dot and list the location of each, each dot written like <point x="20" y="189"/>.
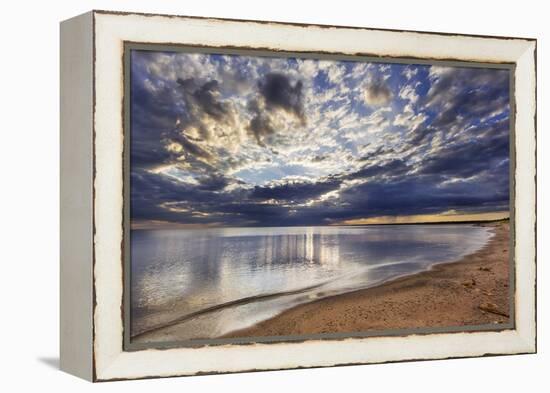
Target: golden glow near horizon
<point x="450" y="216"/>
<point x="158" y="224"/>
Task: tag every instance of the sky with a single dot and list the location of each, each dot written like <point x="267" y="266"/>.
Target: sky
<point x="228" y="140"/>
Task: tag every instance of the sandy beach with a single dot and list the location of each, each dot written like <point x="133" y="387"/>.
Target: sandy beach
<point x="471" y="291"/>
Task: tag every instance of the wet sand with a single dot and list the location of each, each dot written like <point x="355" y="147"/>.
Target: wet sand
<point x="472" y="291"/>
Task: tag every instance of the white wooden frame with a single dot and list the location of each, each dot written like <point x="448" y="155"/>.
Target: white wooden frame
<point x="92" y="90"/>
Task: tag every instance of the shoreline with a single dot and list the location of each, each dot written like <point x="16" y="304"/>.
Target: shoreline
<point x="471" y="291"/>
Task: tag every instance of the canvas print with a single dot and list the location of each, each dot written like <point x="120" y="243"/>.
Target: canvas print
<point x="280" y="197"/>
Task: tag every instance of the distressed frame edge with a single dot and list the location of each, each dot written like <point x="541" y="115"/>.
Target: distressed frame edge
<point x="304" y="24"/>
<point x="526" y="180"/>
<point x="526" y="340"/>
<point x="76" y="196"/>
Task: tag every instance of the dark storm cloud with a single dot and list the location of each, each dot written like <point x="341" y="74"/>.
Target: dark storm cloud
<point x="320" y="158"/>
<point x="279" y="92"/>
<point x="189" y="145"/>
<point x="393" y="167"/>
<point x="162" y="116"/>
<point x="157" y="197"/>
<point x="149" y="193"/>
<point x="463" y="94"/>
<point x="420" y="195"/>
<point x="162" y="198"/>
<point x="295" y="191"/>
<point x="377" y="152"/>
<point x="152" y="115"/>
<point x="205" y="97"/>
<point x="202" y="104"/>
<point x="422" y="135"/>
<point x="377" y="92"/>
<point x="214" y="182"/>
<point x="261" y="124"/>
<point x="276" y="91"/>
<point x="468" y="156"/>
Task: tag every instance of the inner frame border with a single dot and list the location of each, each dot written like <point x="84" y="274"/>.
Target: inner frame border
<point x="129" y="46"/>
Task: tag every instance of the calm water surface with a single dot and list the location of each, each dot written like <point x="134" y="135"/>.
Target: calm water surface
<point x="224" y="279"/>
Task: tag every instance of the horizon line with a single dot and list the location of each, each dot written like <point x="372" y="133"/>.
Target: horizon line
<point x="478" y="218"/>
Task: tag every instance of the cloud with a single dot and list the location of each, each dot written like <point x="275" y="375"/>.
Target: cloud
<point x="261" y="123"/>
<point x="278" y="92"/>
<point x="295" y="190"/>
<point x="470" y="156"/>
<point x="466" y="93"/>
<point x="377" y="93"/>
<point x="417" y="195"/>
<point x="392" y="167"/>
<point x="207" y="98"/>
<point x="204" y="110"/>
<point x="277" y="96"/>
<point x="223" y="140"/>
<point x="410" y="72"/>
<point x="408" y="92"/>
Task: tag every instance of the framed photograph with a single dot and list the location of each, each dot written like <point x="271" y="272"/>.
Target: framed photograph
<point x="246" y="195"/>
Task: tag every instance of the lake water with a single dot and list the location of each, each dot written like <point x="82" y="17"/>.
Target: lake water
<point x="218" y="280"/>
